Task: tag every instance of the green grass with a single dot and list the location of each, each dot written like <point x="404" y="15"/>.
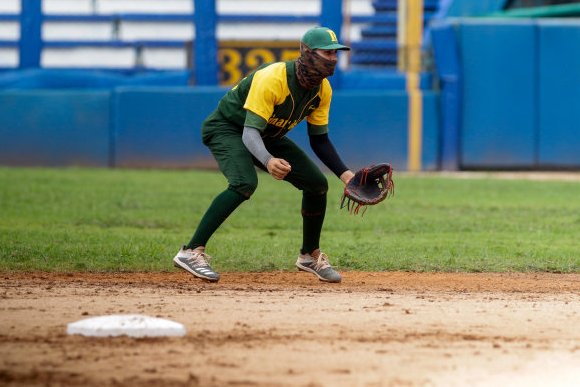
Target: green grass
<point x="127" y="220"/>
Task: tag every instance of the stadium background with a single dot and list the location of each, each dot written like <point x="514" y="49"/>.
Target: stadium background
<point x="429" y="85"/>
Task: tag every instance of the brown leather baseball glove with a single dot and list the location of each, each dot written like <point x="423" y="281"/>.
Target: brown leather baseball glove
<point x="369" y="186"/>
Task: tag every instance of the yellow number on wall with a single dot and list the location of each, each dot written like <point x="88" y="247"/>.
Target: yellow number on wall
<point x="230" y="60"/>
<point x="258" y="56"/>
<point x="289" y="55"/>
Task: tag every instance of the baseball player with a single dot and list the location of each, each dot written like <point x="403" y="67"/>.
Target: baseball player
<point x="249" y="129"/>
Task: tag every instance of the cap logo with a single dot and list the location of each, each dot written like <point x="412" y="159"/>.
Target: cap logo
<point x="332" y="35"/>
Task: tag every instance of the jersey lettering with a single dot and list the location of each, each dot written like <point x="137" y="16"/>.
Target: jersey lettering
<point x="278" y="122"/>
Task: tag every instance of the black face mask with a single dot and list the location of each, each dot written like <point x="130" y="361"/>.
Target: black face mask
<point x="311" y="68"/>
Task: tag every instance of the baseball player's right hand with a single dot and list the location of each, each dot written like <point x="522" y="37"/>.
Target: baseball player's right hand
<point x="278" y="168"/>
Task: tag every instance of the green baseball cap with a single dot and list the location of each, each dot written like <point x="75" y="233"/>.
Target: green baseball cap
<point x="322" y="38"/>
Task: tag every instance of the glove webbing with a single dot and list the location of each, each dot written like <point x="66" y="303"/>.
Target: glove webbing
<point x="354" y="207"/>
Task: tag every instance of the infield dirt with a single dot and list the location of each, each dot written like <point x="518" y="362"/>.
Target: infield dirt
<point x="277" y="329"/>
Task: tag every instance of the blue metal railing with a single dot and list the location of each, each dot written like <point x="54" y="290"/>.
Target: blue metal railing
<point x="377" y="46"/>
<point x="205" y="19"/>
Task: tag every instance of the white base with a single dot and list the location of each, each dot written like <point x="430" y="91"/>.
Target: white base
<point x="132" y="325"/>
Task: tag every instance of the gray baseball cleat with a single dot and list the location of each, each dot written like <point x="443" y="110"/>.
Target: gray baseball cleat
<point x="318" y="266"/>
<point x="196" y="263"/>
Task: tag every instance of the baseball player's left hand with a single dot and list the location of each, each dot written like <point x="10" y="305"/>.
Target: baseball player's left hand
<point x="346" y="176"/>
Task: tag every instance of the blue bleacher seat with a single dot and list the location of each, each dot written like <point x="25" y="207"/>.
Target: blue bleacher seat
<point x="378" y="45"/>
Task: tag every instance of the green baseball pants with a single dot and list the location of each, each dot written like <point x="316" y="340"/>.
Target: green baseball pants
<point x="224" y="139"/>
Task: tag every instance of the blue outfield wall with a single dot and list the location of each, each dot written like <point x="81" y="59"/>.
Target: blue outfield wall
<point x="446" y="57"/>
<point x="154" y="127"/>
<point x="160" y="127"/>
<point x="499" y="94"/>
<point x="55" y="128"/>
<point x="518" y="92"/>
<point x="559" y="93"/>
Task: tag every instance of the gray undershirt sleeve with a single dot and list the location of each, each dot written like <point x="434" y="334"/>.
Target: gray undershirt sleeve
<point x="253" y="141"/>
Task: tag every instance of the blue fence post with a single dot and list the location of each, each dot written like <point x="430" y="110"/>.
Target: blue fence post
<point x="205" y="46"/>
<point x="331" y="16"/>
<point x="30" y="33"/>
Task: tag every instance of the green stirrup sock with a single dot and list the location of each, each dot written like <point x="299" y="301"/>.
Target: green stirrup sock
<point x="313" y="211"/>
<point x="219" y="210"/>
